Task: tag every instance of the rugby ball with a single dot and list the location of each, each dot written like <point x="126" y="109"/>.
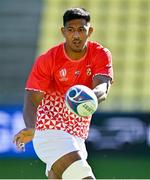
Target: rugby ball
<point x="81" y="100"/>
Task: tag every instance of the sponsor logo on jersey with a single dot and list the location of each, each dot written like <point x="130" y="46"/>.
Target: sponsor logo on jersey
<point x="77" y="72"/>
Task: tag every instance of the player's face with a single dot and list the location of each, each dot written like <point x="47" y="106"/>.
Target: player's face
<point x="76" y="33"/>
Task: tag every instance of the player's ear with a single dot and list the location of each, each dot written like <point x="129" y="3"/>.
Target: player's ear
<point x="90" y="31"/>
<point x="63" y="31"/>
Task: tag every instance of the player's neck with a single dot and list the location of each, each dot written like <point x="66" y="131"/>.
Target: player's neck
<point x="75" y="55"/>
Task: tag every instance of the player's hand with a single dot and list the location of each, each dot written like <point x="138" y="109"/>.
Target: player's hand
<point x="22" y="137"/>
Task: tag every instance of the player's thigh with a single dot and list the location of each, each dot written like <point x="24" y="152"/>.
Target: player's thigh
<point x="64" y="162"/>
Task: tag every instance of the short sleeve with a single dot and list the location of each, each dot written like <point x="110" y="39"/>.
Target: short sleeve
<point x="40" y="75"/>
<point x="103" y="62"/>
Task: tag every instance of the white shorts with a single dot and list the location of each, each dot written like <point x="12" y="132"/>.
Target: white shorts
<point x="50" y="145"/>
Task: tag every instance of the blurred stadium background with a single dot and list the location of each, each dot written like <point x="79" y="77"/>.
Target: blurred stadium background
<point x="119" y="141"/>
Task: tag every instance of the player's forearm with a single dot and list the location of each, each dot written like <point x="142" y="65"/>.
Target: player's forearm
<point x="31" y="102"/>
<point x="29" y="115"/>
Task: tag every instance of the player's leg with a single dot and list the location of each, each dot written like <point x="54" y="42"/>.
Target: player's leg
<point x="64" y="155"/>
<point x="78" y="170"/>
<point x="61" y="164"/>
<point x="71" y="166"/>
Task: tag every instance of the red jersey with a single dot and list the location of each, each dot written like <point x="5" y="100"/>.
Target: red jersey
<point x="54" y="73"/>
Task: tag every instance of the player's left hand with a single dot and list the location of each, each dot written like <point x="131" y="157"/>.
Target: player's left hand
<point x="22" y="137"/>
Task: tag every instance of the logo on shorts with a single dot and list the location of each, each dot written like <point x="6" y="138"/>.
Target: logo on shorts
<point x="63" y="74"/>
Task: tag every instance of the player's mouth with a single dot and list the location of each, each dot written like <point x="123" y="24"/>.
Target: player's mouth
<point x="77" y="42"/>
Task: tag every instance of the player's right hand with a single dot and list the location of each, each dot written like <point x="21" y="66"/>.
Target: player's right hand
<point x="22" y="137"/>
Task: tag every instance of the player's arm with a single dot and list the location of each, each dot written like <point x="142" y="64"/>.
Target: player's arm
<point x="101" y="86"/>
<point x="31" y="102"/>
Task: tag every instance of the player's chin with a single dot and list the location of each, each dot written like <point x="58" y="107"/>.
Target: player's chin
<point x="77" y="48"/>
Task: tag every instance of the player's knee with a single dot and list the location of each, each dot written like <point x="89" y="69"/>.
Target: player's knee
<point x="64" y="162"/>
<point x="78" y="170"/>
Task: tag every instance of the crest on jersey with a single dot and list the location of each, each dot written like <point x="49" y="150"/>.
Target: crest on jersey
<point x="63" y="75"/>
<point x="88" y="71"/>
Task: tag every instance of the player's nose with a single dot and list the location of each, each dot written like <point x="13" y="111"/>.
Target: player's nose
<point x="76" y="34"/>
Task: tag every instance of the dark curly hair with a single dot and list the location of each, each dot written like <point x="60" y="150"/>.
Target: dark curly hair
<point x="75" y="13"/>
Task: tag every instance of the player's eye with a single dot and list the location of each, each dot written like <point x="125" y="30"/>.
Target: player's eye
<point x="70" y="29"/>
<point x="82" y="30"/>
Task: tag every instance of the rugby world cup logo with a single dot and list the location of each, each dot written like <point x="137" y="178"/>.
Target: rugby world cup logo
<point x="63" y="75"/>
